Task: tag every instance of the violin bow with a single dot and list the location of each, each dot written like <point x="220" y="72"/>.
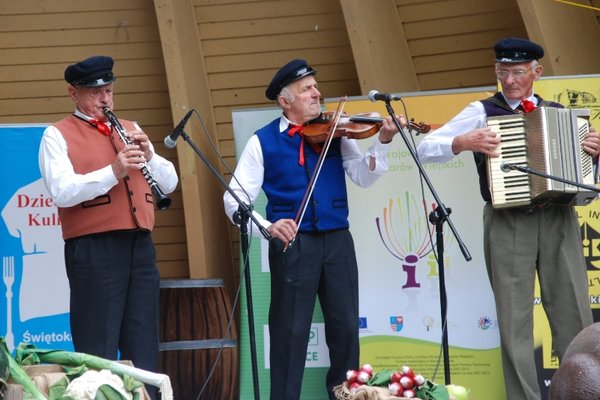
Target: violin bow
<point x="315" y="175"/>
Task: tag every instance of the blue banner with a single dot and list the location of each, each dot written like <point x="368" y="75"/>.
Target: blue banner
<point x="34" y="282"/>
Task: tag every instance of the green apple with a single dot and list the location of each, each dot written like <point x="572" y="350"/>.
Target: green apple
<point x="457" y="392"/>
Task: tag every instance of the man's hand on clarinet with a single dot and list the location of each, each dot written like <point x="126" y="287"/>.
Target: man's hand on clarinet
<point x="130" y="157"/>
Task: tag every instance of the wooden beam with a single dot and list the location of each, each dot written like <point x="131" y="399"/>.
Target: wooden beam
<point x="381" y="54"/>
<point x="569" y="34"/>
<point x="208" y="241"/>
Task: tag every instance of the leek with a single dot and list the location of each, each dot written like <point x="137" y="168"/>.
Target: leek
<point x="30" y="355"/>
<point x="19" y="376"/>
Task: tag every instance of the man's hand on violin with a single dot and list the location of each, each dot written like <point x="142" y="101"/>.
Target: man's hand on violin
<point x="283" y="229"/>
<point x="388" y="128"/>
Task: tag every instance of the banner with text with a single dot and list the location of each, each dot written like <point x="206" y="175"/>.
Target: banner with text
<point x="400" y="310"/>
<point x="36" y="290"/>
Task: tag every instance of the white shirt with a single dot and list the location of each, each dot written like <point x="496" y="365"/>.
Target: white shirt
<point x="437" y="146"/>
<point x="249" y="173"/>
<point x="68" y="188"/>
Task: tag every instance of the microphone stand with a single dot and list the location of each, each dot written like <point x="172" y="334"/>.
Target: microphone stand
<point x="506" y="167"/>
<point x="241" y="217"/>
<point x="440" y="215"/>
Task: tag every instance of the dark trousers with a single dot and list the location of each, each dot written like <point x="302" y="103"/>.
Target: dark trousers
<point x="114" y="296"/>
<point x="315" y="264"/>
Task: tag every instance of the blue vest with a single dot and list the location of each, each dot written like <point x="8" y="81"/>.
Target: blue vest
<point x="286" y="181"/>
<point x="496" y="106"/>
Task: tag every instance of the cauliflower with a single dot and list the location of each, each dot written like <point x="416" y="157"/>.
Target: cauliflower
<point x="86" y="386"/>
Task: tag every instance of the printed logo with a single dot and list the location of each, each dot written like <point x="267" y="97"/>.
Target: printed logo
<point x="313" y="338"/>
<point x="396" y="323"/>
<point x="485" y="323"/>
<point x="412" y="242"/>
<point x="362" y="323"/>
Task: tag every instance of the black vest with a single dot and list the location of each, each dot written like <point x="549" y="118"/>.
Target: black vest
<point x="495" y="106"/>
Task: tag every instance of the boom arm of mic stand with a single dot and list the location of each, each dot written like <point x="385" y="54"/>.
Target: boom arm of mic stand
<point x="528" y="170"/>
<point x="444" y="214"/>
<point x="243" y="207"/>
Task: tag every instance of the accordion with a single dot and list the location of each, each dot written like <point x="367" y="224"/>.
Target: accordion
<point x="547" y="140"/>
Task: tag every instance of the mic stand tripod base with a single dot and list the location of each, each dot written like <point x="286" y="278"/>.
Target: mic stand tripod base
<point x="437" y="217"/>
<point x="241" y="217"/>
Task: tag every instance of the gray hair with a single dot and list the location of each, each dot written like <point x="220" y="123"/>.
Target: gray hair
<point x="287" y="94"/>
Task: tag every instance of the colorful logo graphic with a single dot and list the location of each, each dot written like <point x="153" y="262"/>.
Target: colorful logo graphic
<point x="485" y="323"/>
<point x="396" y="323"/>
<point x="406" y="234"/>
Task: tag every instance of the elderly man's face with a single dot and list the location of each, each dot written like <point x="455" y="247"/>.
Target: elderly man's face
<point x="92" y="100"/>
<point x="306" y="103"/>
<point x="517" y="78"/>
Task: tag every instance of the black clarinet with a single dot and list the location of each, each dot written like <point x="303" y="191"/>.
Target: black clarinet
<point x="162" y="201"/>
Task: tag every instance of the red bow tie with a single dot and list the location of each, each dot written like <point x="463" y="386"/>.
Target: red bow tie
<point x="101" y="126"/>
<point x="528" y="106"/>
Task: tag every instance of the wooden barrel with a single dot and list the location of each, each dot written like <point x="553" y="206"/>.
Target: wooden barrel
<point x="196" y="324"/>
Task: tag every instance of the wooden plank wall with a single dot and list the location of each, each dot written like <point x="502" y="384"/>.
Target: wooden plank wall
<point x="38" y="39"/>
<point x="245" y="42"/>
<point x="451" y="42"/>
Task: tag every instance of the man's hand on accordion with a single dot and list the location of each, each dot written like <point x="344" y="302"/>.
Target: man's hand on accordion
<point x="480" y="140"/>
<point x="591" y="143"/>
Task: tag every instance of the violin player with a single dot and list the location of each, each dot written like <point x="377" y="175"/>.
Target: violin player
<point x="313" y="256"/>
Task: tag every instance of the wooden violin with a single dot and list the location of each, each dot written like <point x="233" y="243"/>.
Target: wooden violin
<point x="359" y="126"/>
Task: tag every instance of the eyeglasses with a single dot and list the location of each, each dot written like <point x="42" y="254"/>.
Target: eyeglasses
<point x="516" y="73"/>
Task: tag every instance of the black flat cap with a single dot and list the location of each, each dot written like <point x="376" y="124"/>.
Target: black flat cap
<point x="514" y="50"/>
<point x="93" y="71"/>
<point x="290" y="72"/>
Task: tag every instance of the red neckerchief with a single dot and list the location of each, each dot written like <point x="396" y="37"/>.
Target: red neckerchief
<point x="101" y="126"/>
<point x="291" y="132"/>
<point x="528" y="106"/>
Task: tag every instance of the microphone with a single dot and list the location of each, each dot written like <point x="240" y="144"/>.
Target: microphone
<point x="506" y="167"/>
<point x="171" y="140"/>
<point x="374" y="95"/>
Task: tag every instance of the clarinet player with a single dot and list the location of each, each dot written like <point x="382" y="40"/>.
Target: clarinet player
<point x="106" y="210"/>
